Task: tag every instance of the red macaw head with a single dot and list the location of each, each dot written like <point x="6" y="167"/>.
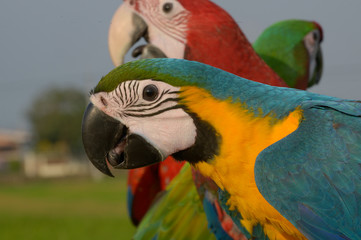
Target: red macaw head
<point x="173" y="28"/>
<point x="197" y="30"/>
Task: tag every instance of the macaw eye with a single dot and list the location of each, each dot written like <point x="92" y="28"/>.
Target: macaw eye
<point x="150" y="92"/>
<point x="167" y="7"/>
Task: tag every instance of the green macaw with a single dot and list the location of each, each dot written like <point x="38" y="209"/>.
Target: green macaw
<point x="287" y="162"/>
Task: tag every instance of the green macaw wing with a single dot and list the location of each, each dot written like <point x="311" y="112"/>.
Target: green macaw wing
<point x="178" y="214"/>
<point x="313" y="176"/>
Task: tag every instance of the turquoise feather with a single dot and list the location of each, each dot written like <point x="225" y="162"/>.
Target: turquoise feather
<point x="318" y="173"/>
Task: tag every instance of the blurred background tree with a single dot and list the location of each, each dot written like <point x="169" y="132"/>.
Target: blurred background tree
<point x="55" y="117"/>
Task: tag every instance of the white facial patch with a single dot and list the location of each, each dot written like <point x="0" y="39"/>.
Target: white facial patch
<point x="161" y="121"/>
<point x="312" y="44"/>
<point x="167" y="22"/>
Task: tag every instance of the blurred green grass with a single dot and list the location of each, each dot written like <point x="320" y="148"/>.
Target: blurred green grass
<point x="65" y="209"/>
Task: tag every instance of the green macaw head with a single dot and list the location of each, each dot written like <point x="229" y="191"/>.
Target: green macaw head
<point x="292" y="48"/>
<point x="137" y="116"/>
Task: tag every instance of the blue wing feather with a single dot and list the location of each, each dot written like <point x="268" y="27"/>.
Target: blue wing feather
<point x="314" y="226"/>
<point x="313" y="176"/>
<point x="130" y="198"/>
<point x="236" y="216"/>
<point x="213" y="223"/>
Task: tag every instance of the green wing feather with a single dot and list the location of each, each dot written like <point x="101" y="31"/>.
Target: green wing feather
<point x="178" y="214"/>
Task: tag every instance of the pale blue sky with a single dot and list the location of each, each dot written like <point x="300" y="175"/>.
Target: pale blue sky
<point x="56" y="43"/>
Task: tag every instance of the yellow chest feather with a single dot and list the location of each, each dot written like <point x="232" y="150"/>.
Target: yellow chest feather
<point x="244" y="136"/>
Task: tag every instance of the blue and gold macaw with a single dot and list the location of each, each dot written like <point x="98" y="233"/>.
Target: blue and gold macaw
<point x="295" y="38"/>
<point x="287" y="162"/>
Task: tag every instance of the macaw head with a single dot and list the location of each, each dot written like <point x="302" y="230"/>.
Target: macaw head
<point x="173" y="28"/>
<point x="293" y="49"/>
<point x="139" y="115"/>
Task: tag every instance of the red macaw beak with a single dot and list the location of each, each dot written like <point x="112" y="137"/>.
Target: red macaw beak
<point x="126" y="28"/>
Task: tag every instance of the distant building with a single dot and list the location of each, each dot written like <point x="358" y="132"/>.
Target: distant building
<point x="16" y="156"/>
<point x="38" y="165"/>
<point x="12" y="144"/>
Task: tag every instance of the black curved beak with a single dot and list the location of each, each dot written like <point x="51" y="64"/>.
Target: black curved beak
<point x="317" y="74"/>
<point x="106" y="140"/>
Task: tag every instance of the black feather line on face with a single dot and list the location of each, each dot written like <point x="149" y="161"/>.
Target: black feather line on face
<point x="136" y="87"/>
<point x="116" y="100"/>
<point x="152" y="114"/>
<point x="118" y="93"/>
<point x="151" y="107"/>
<point x="132" y="91"/>
<point x="174" y="92"/>
<point x="125" y="94"/>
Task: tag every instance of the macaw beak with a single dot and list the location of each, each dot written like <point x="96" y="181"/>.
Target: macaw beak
<point x="317" y="72"/>
<point x="319" y="66"/>
<point x="126" y="28"/>
<point x="107" y="141"/>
